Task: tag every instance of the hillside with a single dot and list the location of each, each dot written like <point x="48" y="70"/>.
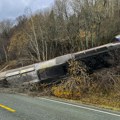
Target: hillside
<point x="68" y="26"/>
<point x="57" y="31"/>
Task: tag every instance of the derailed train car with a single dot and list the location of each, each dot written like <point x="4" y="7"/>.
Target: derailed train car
<point x="94" y="58"/>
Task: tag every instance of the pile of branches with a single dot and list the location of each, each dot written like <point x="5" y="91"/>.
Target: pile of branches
<point x="106" y="81"/>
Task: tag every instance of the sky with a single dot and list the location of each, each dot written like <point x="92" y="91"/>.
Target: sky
<point x="10" y="9"/>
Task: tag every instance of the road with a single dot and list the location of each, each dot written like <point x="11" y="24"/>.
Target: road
<point x="18" y="107"/>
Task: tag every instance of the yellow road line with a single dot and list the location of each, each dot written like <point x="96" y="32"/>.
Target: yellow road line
<point x="7" y="108"/>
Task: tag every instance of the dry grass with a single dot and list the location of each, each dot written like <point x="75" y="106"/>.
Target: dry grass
<point x="111" y="102"/>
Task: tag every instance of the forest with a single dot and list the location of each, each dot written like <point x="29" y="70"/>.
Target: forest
<point x="68" y="26"/>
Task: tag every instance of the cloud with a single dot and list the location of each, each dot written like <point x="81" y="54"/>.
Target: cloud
<point x="14" y="8"/>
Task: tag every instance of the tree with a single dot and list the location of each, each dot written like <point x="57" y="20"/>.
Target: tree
<point x="5" y="33"/>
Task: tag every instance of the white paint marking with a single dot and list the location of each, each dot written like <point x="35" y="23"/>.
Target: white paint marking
<point x="87" y="108"/>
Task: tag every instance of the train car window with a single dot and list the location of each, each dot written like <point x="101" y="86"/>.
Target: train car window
<point x="79" y="56"/>
<point x="102" y="49"/>
<point x="52" y="72"/>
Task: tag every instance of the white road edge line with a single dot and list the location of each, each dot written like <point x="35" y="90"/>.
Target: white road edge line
<point x="78" y="106"/>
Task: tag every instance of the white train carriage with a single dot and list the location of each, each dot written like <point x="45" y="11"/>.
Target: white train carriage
<point x="58" y="67"/>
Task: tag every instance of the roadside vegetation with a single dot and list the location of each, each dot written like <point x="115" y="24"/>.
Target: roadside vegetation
<point x="68" y="26"/>
<point x="100" y="88"/>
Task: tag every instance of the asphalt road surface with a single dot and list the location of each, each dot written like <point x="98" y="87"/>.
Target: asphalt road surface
<point x="18" y="107"/>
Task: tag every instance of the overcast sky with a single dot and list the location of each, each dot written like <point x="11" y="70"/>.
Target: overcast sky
<point x="14" y="8"/>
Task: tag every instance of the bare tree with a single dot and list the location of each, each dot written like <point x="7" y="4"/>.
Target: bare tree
<point x="33" y="37"/>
